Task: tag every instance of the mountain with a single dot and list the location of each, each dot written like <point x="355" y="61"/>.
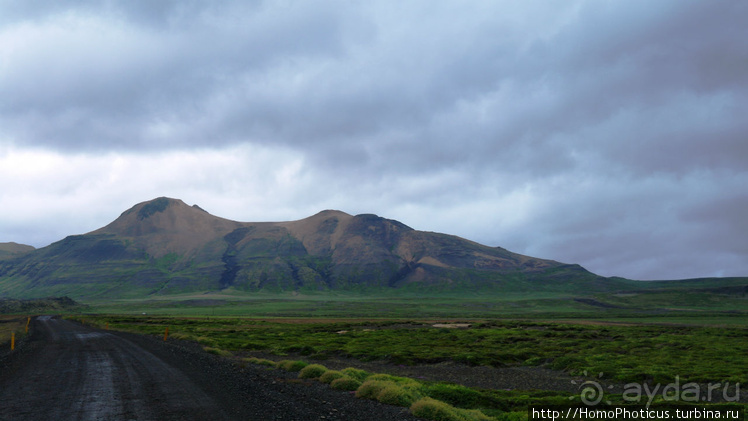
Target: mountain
<point x="165" y="246"/>
<point x="9" y="250"/>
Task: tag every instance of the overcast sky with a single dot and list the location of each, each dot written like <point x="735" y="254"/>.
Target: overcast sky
<point x="612" y="134"/>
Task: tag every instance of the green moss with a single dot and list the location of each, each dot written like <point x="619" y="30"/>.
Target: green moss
<point x="217" y="351"/>
<point x="371" y="388"/>
<point x="345" y="383"/>
<point x="356" y="373"/>
<point x="398" y="395"/>
<point x="312" y="371"/>
<point x="261" y="361"/>
<point x="290" y="365"/>
<point x="432" y="409"/>
<point x="330" y="375"/>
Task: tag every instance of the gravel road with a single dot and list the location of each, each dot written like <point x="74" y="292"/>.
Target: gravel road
<point x="67" y="371"/>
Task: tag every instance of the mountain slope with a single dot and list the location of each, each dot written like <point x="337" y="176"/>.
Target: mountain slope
<point x="165" y="246"/>
<point x="9" y="250"/>
<point x="164" y="226"/>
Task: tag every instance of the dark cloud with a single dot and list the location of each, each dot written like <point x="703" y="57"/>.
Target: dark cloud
<point x="597" y="121"/>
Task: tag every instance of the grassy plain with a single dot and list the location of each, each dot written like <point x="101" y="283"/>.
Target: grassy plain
<point x="624" y="353"/>
<point x="659" y="333"/>
<point x="621" y="352"/>
<point x="660" y="304"/>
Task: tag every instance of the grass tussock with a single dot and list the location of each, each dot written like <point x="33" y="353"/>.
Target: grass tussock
<point x="403" y="381"/>
<point x="371" y="388"/>
<point x="345" y="383"/>
<point x="260" y="361"/>
<point x="312" y="371"/>
<point x="356" y="373"/>
<point x="291" y="365"/>
<point x="432" y="409"/>
<point x="179" y="336"/>
<point x="330" y="375"/>
<point x="204" y="340"/>
<point x="397" y="395"/>
<point x="391" y="390"/>
<point x="217" y="351"/>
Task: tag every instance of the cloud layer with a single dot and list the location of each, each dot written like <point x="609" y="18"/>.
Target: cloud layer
<point x="608" y="134"/>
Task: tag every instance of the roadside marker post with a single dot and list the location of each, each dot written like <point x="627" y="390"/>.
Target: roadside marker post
<point x="28" y="320"/>
<point x="12" y="341"/>
<point x="166" y="334"/>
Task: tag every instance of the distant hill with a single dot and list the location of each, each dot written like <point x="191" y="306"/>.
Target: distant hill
<point x="165" y="246"/>
<point x="8" y="250"/>
<point x="41" y="305"/>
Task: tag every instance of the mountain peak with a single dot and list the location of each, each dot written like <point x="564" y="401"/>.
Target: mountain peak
<point x="143" y="210"/>
<point x="328" y="213"/>
<point x="166" y="225"/>
<point x="154" y="206"/>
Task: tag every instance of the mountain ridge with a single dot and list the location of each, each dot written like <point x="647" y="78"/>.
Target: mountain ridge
<point x="12" y="249"/>
<point x="164" y="246"/>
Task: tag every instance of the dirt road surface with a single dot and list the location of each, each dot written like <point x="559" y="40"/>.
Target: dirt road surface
<point x="67" y="371"/>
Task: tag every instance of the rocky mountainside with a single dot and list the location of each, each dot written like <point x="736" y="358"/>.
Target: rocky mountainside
<point x="165" y="246"/>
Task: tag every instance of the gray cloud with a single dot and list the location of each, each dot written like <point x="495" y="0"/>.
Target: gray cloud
<point x="604" y="133"/>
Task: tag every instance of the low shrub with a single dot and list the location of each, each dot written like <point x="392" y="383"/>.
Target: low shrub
<point x="312" y="371"/>
<point x="290" y="365"/>
<point x="345" y="383"/>
<point x="330" y="375"/>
